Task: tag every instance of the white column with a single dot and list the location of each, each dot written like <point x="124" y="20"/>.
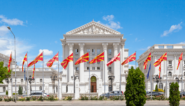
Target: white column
<point x="81" y="45"/>
<point x="116" y="64"/>
<point x="105" y="62"/>
<point x="71" y="62"/>
<point x="77" y="93"/>
<point x="63" y="57"/>
<point x="175" y="71"/>
<point x="9" y="89"/>
<point x="122" y="57"/>
<point x="60" y="90"/>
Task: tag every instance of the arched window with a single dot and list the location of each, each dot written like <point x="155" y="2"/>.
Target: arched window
<point x="170" y="74"/>
<point x="161" y="85"/>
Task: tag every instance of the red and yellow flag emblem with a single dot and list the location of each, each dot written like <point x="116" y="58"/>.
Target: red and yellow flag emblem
<point x="83" y="58"/>
<point x="38" y="58"/>
<point x="98" y="58"/>
<point x="159" y="70"/>
<point x="25" y="59"/>
<point x="33" y="71"/>
<point x="67" y="60"/>
<point x="146" y="61"/>
<point x="115" y="58"/>
<point x="162" y="58"/>
<point x="9" y="63"/>
<point x="180" y="58"/>
<point x="51" y="61"/>
<point x="130" y="59"/>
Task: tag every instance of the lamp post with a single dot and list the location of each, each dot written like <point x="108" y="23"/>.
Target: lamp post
<point x="111" y="78"/>
<point x="178" y="79"/>
<point x="53" y="78"/>
<point x="30" y="79"/>
<point x="157" y="79"/>
<point x="15" y="61"/>
<point x="74" y="78"/>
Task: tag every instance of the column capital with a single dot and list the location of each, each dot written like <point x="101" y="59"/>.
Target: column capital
<point x="81" y="44"/>
<point x="104" y="45"/>
<point x="70" y="44"/>
<point x="115" y="45"/>
<point x="63" y="44"/>
<point x="122" y="43"/>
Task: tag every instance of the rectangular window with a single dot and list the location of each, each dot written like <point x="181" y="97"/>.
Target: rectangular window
<point x="77" y="69"/>
<point x="40" y="87"/>
<point x="109" y="59"/>
<point x="98" y="68"/>
<point x="98" y="62"/>
<point x="110" y="51"/>
<point x="87" y="68"/>
<point x="98" y="51"/>
<point x="161" y="47"/>
<point x="93" y="68"/>
<point x="76" y="51"/>
<point x="21" y="80"/>
<point x="183" y="47"/>
<point x="170" y="74"/>
<point x="88" y="50"/>
<point x="109" y="69"/>
<point x="169" y="47"/>
<point x="76" y="59"/>
<point x="40" y="80"/>
<point x="93" y="51"/>
<point x="170" y="63"/>
<point x="4" y="89"/>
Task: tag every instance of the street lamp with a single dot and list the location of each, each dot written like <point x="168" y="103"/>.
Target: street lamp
<point x="15" y="61"/>
<point x="53" y="78"/>
<point x="178" y="79"/>
<point x="30" y="79"/>
<point x="74" y="78"/>
<point x="111" y="78"/>
<point x="157" y="79"/>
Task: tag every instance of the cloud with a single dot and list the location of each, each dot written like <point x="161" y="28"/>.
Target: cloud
<point x="3" y="30"/>
<point x="145" y="48"/>
<point x="111" y="24"/>
<point x="130" y="65"/>
<point x="46" y="52"/>
<point x="182" y="42"/>
<point x="172" y="29"/>
<point x="10" y="21"/>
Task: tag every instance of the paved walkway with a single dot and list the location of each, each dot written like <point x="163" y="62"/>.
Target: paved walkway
<point x="84" y="103"/>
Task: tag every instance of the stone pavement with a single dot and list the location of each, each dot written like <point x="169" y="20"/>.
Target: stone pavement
<point x="84" y="103"/>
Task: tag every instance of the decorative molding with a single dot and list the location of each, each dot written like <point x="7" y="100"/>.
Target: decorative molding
<point x="104" y="46"/>
<point x="93" y="28"/>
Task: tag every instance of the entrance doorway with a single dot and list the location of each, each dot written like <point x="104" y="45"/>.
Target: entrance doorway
<point x="93" y="84"/>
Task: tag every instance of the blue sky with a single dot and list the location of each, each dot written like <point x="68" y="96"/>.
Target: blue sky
<point x="40" y="24"/>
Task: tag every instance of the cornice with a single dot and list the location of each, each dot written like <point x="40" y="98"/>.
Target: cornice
<point x="94" y="35"/>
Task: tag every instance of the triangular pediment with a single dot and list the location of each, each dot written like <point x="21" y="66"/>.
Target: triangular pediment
<point x="93" y="28"/>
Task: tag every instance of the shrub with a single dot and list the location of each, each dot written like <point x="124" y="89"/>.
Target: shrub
<point x="68" y="98"/>
<point x="22" y="99"/>
<point x="34" y="98"/>
<point x="1" y="99"/>
<point x="122" y="98"/>
<point x="183" y="98"/>
<point x="51" y="98"/>
<point x="8" y="99"/>
<point x="156" y="88"/>
<point x="27" y="98"/>
<point x="84" y="98"/>
<point x="94" y="98"/>
<point x="135" y="88"/>
<point x="160" y="90"/>
<point x="100" y="98"/>
<point x="40" y="98"/>
<point x="6" y="92"/>
<point x="14" y="94"/>
<point x="20" y="90"/>
<point x="174" y="94"/>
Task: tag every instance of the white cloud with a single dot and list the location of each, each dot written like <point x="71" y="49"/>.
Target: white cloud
<point x="172" y="29"/>
<point x="111" y="24"/>
<point x="3" y="30"/>
<point x="10" y="21"/>
<point x="56" y="42"/>
<point x="145" y="48"/>
<point x="46" y="52"/>
<point x="182" y="42"/>
<point x="130" y="65"/>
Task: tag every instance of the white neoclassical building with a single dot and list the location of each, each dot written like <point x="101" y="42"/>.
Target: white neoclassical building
<point x="168" y="68"/>
<point x="94" y="38"/>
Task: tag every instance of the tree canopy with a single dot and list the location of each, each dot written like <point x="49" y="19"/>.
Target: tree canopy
<point x="4" y="72"/>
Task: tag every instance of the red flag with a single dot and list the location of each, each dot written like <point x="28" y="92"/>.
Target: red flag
<point x="115" y="58"/>
<point x="98" y="58"/>
<point x="25" y="59"/>
<point x="130" y="59"/>
<point x="180" y="58"/>
<point x="83" y="58"/>
<point x="159" y="70"/>
<point x="38" y="58"/>
<point x="67" y="60"/>
<point x="9" y="63"/>
<point x="162" y="58"/>
<point x="146" y="61"/>
<point x="33" y="71"/>
<point x="51" y="61"/>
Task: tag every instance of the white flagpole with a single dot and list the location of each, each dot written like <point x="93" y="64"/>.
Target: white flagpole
<point x="89" y="80"/>
<point x="58" y="78"/>
<point x="104" y="76"/>
<point x="182" y="76"/>
<point x="166" y="78"/>
<point x="27" y="74"/>
<point x="151" y="76"/>
<point x="43" y="75"/>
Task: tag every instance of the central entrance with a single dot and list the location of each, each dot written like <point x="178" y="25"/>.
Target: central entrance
<point x="93" y="84"/>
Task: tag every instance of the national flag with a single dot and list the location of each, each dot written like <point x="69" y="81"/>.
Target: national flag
<point x="115" y="58"/>
<point x="83" y="58"/>
<point x="9" y="63"/>
<point x="159" y="70"/>
<point x="67" y="60"/>
<point x="98" y="58"/>
<point x="33" y="71"/>
<point x="130" y="59"/>
<point x="38" y="58"/>
<point x="25" y="59"/>
<point x="148" y="71"/>
<point x="162" y="58"/>
<point x="51" y="61"/>
<point x="146" y="61"/>
<point x="180" y="58"/>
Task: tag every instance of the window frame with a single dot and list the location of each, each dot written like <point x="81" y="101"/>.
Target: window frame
<point x="76" y="51"/>
<point x="40" y="80"/>
<point x="110" y="51"/>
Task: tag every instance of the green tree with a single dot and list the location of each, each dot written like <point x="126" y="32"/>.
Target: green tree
<point x="135" y="88"/>
<point x="156" y="88"/>
<point x="4" y="72"/>
<point x="174" y="94"/>
<point x="20" y="90"/>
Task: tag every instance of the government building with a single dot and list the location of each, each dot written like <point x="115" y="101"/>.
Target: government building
<point x="169" y="72"/>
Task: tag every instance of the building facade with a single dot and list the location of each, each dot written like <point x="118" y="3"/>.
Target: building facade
<point x="94" y="38"/>
<point x="169" y="72"/>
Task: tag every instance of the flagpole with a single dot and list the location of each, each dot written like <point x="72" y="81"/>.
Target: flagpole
<point x="120" y="78"/>
<point x="89" y="80"/>
<point x="166" y="78"/>
<point x="104" y="76"/>
<point x="43" y="75"/>
<point x="182" y="76"/>
<point x="151" y="78"/>
<point x="135" y="63"/>
<point x="27" y="73"/>
<point x="35" y="78"/>
<point x="58" y="77"/>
